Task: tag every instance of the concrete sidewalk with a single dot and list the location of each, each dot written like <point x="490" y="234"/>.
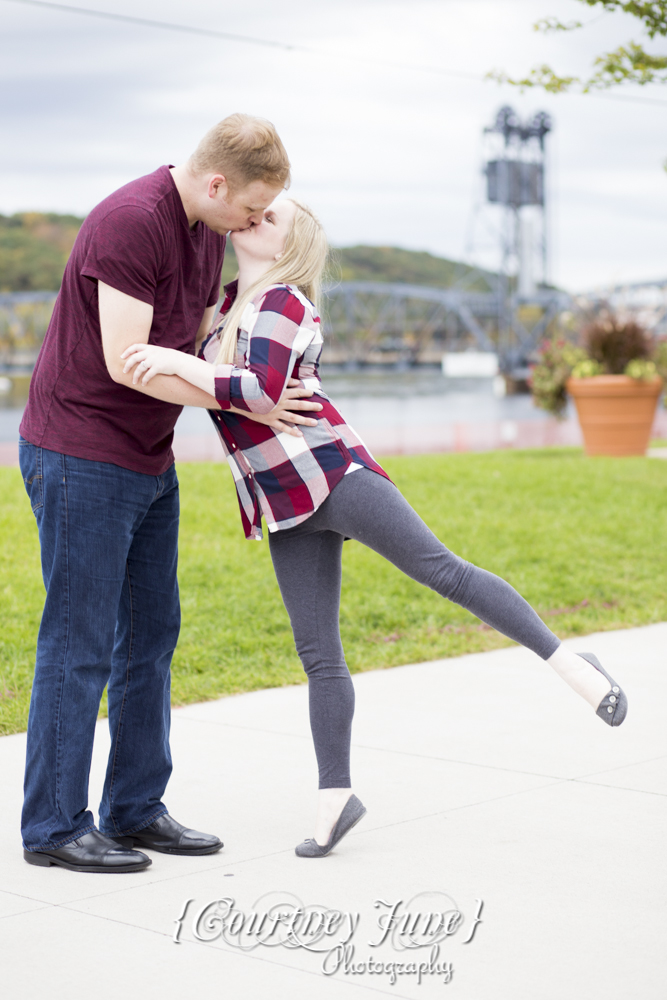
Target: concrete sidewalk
<point x="485" y="778"/>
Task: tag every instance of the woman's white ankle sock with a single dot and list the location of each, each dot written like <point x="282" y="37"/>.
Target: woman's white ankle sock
<point x="580" y="675"/>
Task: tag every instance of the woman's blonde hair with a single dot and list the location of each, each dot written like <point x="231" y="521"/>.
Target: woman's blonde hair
<point x="302" y="263"/>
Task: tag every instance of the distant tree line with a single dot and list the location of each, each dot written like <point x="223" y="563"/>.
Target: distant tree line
<point x="35" y="246"/>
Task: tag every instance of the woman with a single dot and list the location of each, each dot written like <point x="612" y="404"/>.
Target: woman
<point x="318" y="488"/>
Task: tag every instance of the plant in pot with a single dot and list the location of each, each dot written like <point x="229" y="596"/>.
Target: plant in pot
<point x="615" y="378"/>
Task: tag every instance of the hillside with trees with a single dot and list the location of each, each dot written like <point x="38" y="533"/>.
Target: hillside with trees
<point x="34" y="248"/>
<point x="390" y="264"/>
<point x="412" y="267"/>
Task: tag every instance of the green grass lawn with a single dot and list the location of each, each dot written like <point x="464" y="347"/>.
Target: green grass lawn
<point x="583" y="540"/>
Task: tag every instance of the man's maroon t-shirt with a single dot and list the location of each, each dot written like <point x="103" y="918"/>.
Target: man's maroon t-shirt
<point x="138" y="241"/>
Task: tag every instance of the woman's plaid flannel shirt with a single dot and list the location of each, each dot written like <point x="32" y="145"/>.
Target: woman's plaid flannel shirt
<point x="284" y="478"/>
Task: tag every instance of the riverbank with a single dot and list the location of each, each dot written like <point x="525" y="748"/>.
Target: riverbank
<point x="411" y="412"/>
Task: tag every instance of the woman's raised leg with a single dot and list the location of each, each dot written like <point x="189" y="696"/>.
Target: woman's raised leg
<point x="367" y="507"/>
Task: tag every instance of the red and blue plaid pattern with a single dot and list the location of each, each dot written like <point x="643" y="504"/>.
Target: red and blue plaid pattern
<point x="281" y="477"/>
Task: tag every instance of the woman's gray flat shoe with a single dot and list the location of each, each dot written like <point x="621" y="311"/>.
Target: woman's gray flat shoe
<point x="614" y="706"/>
<point x="352" y="812"/>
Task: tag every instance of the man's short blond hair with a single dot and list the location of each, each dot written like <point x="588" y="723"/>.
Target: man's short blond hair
<point x="244" y="149"/>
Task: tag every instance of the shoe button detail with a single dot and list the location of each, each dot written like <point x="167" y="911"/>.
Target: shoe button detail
<point x="612" y="698"/>
<point x="615" y="690"/>
<point x="609" y="708"/>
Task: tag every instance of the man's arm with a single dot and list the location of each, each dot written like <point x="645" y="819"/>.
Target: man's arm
<point x="125" y="320"/>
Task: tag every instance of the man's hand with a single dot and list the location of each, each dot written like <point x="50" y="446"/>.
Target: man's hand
<point x="285" y="414"/>
<point x="126" y="321"/>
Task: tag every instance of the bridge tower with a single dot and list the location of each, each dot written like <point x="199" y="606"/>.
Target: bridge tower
<point x="514" y="166"/>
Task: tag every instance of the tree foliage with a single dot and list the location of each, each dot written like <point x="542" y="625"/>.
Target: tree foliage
<point x="629" y="63"/>
<point x="412" y="267"/>
<point x="34" y="248"/>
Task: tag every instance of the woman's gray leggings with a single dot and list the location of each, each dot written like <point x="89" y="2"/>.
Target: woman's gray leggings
<point x="307" y="560"/>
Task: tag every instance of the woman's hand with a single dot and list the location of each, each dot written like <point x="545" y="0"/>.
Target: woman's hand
<point x="149" y="360"/>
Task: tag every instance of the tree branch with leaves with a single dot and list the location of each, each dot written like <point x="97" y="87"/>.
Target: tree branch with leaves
<point x="629" y="63"/>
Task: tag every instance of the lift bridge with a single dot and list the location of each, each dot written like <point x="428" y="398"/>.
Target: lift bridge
<point x="504" y="310"/>
<point x="364" y="323"/>
<point x="373" y="322"/>
<point x="402" y="325"/>
<point x="369" y="322"/>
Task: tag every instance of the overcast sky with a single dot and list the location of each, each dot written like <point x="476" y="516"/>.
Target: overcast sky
<point x="385" y="155"/>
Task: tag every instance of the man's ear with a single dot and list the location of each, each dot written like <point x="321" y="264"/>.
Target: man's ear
<point x="217" y="186"/>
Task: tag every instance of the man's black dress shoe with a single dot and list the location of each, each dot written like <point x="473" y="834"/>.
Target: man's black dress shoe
<point x="169" y="837"/>
<point x="92" y="852"/>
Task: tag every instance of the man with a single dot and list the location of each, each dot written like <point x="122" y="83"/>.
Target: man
<point x="96" y="458"/>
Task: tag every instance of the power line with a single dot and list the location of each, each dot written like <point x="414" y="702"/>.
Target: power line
<point x="266" y="43"/>
<point x="129" y="19"/>
<point x="248" y="39"/>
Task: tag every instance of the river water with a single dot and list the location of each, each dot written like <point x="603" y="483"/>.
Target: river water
<point x="367" y="398"/>
<point x="394" y="412"/>
<point x="418" y="410"/>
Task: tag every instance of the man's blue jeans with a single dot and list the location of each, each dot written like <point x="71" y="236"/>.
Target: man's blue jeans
<point x="108" y="538"/>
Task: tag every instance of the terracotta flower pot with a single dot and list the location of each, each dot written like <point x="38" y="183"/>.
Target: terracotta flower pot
<point x="616" y="412"/>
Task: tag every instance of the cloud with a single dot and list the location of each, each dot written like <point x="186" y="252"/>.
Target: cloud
<point x="386" y="155"/>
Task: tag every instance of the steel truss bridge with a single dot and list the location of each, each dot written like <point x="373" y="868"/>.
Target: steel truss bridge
<point x="368" y="322"/>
